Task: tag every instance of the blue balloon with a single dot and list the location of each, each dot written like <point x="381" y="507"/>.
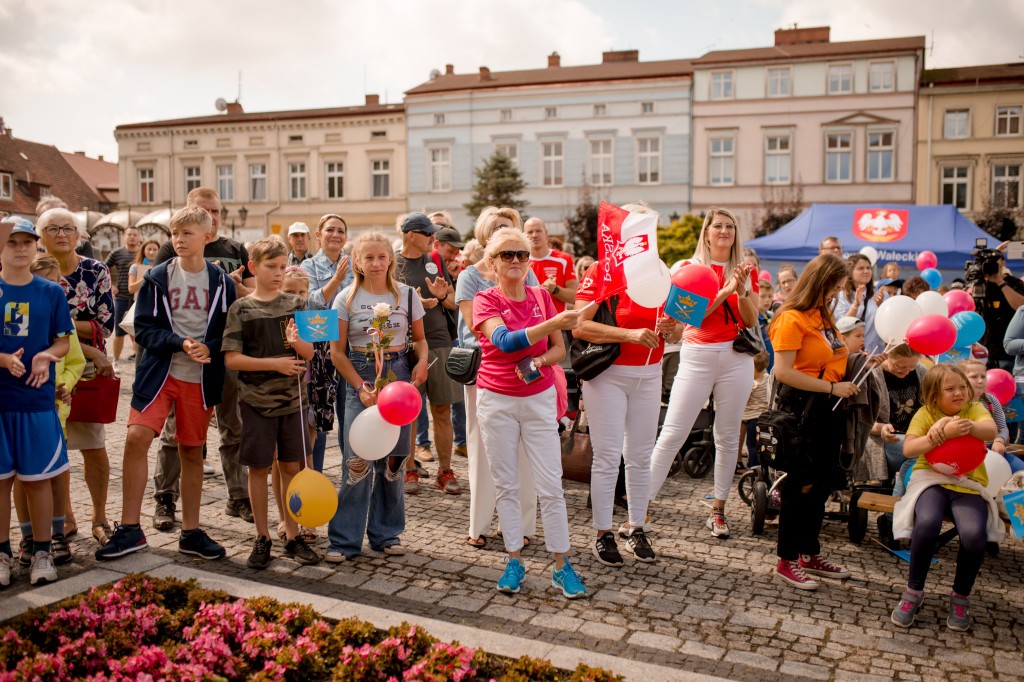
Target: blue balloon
<point x="933" y="277"/>
<point x="970" y="327"/>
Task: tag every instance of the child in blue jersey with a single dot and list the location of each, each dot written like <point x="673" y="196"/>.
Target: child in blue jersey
<point x="36" y="325"/>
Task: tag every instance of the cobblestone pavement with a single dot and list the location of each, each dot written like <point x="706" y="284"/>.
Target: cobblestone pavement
<point x="707" y="605"/>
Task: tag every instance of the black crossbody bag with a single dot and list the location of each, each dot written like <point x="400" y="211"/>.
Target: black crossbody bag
<point x="749" y="339"/>
<point x="779" y="440"/>
<point x="588" y="359"/>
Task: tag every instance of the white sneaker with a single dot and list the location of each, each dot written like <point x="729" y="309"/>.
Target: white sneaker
<point x="208" y="470"/>
<point x="42" y="569"/>
<point x="6" y="569"/>
<point x="334" y="556"/>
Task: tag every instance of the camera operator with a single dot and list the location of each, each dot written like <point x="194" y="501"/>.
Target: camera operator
<point x="1003" y="295"/>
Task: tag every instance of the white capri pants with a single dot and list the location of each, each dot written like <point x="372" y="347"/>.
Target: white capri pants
<point x="622" y="406"/>
<point x="505" y="421"/>
<point x="481" y="484"/>
<point x="704" y="368"/>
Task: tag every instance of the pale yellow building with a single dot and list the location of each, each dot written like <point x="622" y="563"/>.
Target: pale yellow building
<point x="279" y="166"/>
<point x="970" y="148"/>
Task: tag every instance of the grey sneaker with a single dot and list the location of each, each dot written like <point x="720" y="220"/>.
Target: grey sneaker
<point x="163" y="517"/>
<point x="7" y="570"/>
<point x="959" y="613"/>
<point x="906" y="611"/>
<point x="240" y="508"/>
<point x="43" y="570"/>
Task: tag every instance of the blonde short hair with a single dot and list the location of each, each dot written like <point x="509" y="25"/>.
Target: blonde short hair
<point x="201" y="193"/>
<point x="266" y="248"/>
<point x="489" y="217"/>
<point x="44" y="262"/>
<point x="192" y="215"/>
<point x="46" y="203"/>
<point x="502" y="238"/>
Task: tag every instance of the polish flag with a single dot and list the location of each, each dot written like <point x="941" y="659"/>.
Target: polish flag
<point x="627" y="244"/>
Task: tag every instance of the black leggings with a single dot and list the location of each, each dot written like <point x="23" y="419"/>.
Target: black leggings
<point x="970" y="514"/>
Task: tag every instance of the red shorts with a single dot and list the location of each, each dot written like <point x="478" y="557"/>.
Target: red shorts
<point x="191" y="419"/>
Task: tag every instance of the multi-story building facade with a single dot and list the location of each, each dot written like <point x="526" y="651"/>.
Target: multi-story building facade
<point x="970" y="140"/>
<point x="281" y="167"/>
<point x="808" y="118"/>
<point x="621" y="127"/>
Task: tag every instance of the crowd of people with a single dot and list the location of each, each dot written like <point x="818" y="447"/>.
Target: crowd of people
<point x="213" y="325"/>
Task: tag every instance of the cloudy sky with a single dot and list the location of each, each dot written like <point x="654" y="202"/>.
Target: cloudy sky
<point x="70" y="71"/>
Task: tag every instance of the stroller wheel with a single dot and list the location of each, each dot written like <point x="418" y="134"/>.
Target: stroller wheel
<point x="745" y="486"/>
<point x="698" y="460"/>
<point x="677" y="464"/>
<point x="758" y="507"/>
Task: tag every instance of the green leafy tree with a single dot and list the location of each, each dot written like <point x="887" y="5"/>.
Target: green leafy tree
<point x="678" y="239"/>
<point x="498" y="183"/>
<point x="581" y="225"/>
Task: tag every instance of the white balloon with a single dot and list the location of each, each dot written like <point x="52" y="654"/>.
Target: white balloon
<point x="932" y="303"/>
<point x="894" y="317"/>
<point x="651" y="292"/>
<point x="998" y="470"/>
<point x="871" y="253"/>
<point x="370" y="436"/>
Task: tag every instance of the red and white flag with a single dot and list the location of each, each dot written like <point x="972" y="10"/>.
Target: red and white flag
<point x="627" y="246"/>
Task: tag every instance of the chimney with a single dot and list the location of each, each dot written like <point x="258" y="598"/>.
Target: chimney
<point x="620" y="56"/>
<point x="801" y="36"/>
<point x="372" y="100"/>
<point x="79" y="153"/>
<point x="554" y="60"/>
<point x="99" y="158"/>
<point x="235" y="108"/>
<point x="485" y="73"/>
<point x="449" y="69"/>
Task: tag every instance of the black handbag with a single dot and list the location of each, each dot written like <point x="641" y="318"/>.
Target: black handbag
<point x="779" y="441"/>
<point x="462" y="365"/>
<point x="588" y="359"/>
<point x="749" y="339"/>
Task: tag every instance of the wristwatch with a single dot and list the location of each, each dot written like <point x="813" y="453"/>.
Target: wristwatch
<point x="557" y="289"/>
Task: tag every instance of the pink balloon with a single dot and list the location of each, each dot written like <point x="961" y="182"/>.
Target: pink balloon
<point x="1000" y="383"/>
<point x="697" y="279"/>
<point x="931" y="334"/>
<point x="957" y="456"/>
<point x="926" y="259"/>
<point x="958" y="300"/>
<point x="764" y="274"/>
<point x="399" y="403"/>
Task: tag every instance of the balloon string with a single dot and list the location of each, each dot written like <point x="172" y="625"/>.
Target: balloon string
<point x="643" y="375"/>
<point x="302" y="425"/>
<point x="862" y="374"/>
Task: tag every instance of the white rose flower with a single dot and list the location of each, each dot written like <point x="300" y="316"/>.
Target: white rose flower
<point x="382" y="310"/>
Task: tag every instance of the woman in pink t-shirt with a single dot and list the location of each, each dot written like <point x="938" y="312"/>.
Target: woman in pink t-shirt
<point x="521" y="340"/>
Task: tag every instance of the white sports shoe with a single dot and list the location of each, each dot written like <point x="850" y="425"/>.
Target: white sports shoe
<point x="6" y="569"/>
<point x="42" y="570"/>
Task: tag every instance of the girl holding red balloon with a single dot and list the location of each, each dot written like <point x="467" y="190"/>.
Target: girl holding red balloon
<point x="948" y="437"/>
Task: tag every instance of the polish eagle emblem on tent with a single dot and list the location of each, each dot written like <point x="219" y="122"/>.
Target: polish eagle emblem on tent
<point x="880" y="224"/>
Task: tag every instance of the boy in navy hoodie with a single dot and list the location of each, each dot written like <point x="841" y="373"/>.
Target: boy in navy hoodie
<point x="180" y="314"/>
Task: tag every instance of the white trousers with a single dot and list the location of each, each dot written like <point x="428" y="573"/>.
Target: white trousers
<point x="622" y="411"/>
<point x="505" y="421"/>
<point x="481" y="484"/>
<point x="704" y="368"/>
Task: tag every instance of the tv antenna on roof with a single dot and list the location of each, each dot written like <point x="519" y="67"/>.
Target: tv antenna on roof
<point x="221" y="104"/>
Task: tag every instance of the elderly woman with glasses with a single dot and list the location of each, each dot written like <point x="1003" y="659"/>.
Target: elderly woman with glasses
<point x="521" y="341"/>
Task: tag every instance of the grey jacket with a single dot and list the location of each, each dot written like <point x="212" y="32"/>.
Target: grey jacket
<point x="873" y="462"/>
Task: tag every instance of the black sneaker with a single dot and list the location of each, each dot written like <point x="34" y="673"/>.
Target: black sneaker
<point x="641" y="546"/>
<point x="60" y="549"/>
<point x="163" y="517"/>
<point x="240" y="509"/>
<point x="25" y="551"/>
<point x="606" y="551"/>
<point x="301" y="552"/>
<point x="124" y="541"/>
<point x="260" y="556"/>
<point x="198" y="543"/>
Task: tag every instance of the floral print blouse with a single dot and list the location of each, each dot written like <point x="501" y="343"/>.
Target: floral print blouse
<point x="90" y="296"/>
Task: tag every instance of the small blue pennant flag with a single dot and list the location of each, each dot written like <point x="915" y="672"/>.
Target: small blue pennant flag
<point x="685" y="306"/>
<point x="1014" y="410"/>
<point x="1015" y="509"/>
<point x="954" y="355"/>
<point x="317" y="325"/>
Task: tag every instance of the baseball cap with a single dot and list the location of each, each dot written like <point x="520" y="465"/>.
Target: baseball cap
<point x="449" y="235"/>
<point x="21" y="225"/>
<point x="419" y="222"/>
<point x="889" y="280"/>
<point x="298" y="228"/>
<point x="845" y="325"/>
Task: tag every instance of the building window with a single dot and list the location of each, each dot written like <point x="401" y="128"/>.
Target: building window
<point x="380" y="171"/>
<point x="506" y="114"/>
<point x="721" y="85"/>
<point x="193" y="178"/>
<point x="723" y="160"/>
<point x="954" y="186"/>
<point x="599" y="162"/>
<point x="335" y="174"/>
<point x="552" y="164"/>
<point x="777" y="159"/>
<point x="838" y="157"/>
<point x="439" y="119"/>
<point x="379" y="134"/>
<point x="840" y="79"/>
<point x="648" y="160"/>
<point x="1007" y="121"/>
<point x="600" y="110"/>
<point x="297" y="180"/>
<point x="646" y="107"/>
<point x="294" y="139"/>
<point x="7" y="186"/>
<point x="880" y="156"/>
<point x="258" y="181"/>
<point x="226" y="182"/>
<point x="1006" y="186"/>
<point x="440" y="161"/>
<point x="881" y="77"/>
<point x="956" y="124"/>
<point x="550" y="112"/>
<point x="191" y="144"/>
<point x="779" y="82"/>
<point x="509" y="149"/>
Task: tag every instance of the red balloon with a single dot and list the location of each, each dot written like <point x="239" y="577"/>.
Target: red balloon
<point x="697" y="279"/>
<point x="926" y="259"/>
<point x="1000" y="383"/>
<point x="399" y="403"/>
<point x="958" y="300"/>
<point x="957" y="456"/>
<point x="931" y="334"/>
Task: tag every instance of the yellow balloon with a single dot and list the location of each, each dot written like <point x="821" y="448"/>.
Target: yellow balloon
<point x="312" y="500"/>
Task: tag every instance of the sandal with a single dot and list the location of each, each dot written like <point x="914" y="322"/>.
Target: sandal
<point x="526" y="541"/>
<point x="479" y="542"/>
<point x="308" y="534"/>
<point x="70" y="529"/>
<point x="101" y="533"/>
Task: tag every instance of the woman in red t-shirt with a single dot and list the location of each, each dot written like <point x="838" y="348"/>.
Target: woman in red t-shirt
<point x="707" y="363"/>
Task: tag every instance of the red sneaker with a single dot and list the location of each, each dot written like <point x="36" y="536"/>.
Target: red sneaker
<point x="791" y="572"/>
<point x="818" y="565"/>
<point x="446" y="481"/>
<point x="412" y="483"/>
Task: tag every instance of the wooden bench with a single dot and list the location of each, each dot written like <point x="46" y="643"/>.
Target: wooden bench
<point x="885" y="503"/>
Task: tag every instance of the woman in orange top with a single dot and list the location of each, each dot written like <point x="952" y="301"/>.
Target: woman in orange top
<point x="810" y="361"/>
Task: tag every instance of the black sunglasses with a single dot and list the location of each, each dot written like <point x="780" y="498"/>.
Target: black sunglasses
<point x="423" y="234"/>
<point x="507" y="256"/>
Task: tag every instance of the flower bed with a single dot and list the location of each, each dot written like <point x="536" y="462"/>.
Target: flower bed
<point x="143" y="628"/>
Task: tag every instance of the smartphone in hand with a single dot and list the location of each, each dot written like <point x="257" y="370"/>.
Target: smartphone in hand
<point x="530" y="371"/>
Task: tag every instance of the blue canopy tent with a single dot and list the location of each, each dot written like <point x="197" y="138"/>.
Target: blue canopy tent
<point x="897" y="231"/>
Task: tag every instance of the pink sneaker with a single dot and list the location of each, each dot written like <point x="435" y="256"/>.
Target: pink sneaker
<point x="791" y="572"/>
<point x="818" y="565"/>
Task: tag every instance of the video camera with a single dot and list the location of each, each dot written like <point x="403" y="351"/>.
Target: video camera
<point x="985" y="263"/>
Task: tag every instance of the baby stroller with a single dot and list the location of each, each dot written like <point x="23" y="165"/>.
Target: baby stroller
<point x="697" y="455"/>
<point x="760" y="488"/>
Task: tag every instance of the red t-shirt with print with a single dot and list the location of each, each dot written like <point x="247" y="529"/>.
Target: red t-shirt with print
<point x="556" y="264"/>
<point x="628" y="315"/>
<point x="716" y="327"/>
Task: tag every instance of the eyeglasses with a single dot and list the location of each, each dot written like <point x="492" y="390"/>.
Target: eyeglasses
<point x="507" y="256"/>
<point x="54" y="230"/>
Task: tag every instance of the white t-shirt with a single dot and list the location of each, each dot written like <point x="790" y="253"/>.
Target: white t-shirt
<point x="360" y="317"/>
<point x="189" y="295"/>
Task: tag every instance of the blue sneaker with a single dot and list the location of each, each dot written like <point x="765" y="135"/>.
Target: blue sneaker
<point x="124" y="541"/>
<point x="514" y="574"/>
<point x="567" y="581"/>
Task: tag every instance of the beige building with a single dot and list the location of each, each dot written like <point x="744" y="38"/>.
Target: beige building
<point x="279" y="166"/>
<point x="970" y="146"/>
